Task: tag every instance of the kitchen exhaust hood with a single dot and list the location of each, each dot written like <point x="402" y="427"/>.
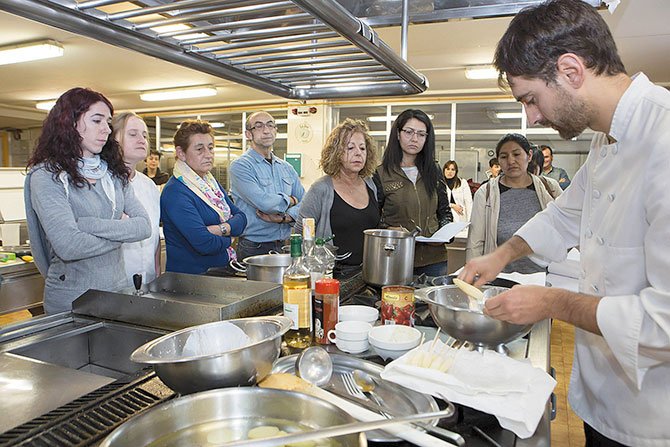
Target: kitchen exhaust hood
<point x="297" y="49"/>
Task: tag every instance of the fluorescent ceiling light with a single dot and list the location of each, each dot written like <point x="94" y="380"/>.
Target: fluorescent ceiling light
<point x="178" y="27"/>
<point x="217" y="125"/>
<point x="46" y="105"/>
<point x="384" y="118"/>
<point x="508" y="115"/>
<point x="178" y="93"/>
<point x="483" y="72"/>
<point x="33" y="51"/>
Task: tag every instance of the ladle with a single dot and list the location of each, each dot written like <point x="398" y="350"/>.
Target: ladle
<point x="315" y="366"/>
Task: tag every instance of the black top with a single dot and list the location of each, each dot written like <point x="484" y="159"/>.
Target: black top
<point x="348" y="224"/>
<point x="160" y="178"/>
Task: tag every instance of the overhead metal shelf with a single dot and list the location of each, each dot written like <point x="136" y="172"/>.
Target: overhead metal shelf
<point x="299" y="49"/>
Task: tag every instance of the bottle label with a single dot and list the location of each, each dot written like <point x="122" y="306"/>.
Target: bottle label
<point x="301" y="299"/>
<point x="291" y="312"/>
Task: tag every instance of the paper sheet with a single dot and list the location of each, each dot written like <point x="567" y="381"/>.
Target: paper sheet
<point x="444" y="234"/>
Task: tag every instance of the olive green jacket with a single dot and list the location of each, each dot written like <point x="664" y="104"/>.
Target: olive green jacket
<point x="408" y="205"/>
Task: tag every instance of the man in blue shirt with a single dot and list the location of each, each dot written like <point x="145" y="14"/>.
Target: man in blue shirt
<point x="548" y="170"/>
<point x="266" y="188"/>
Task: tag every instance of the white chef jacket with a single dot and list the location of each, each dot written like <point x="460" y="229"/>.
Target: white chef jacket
<point x="617" y="210"/>
<point x="140" y="257"/>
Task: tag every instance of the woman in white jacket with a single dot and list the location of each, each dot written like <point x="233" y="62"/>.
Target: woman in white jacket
<point x="458" y="191"/>
<point x="505" y="203"/>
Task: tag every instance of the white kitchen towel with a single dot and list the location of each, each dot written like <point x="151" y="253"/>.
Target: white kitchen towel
<point x="514" y="391"/>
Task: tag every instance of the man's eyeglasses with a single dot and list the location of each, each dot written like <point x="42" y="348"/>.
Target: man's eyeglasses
<point x="259" y="126"/>
<point x="409" y="133"/>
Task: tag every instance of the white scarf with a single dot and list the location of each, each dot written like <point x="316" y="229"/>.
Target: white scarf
<point x="93" y="168"/>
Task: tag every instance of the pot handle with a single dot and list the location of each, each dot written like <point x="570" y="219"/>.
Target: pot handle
<point x="416" y="231"/>
<point x="235" y="265"/>
<point x="389" y="247"/>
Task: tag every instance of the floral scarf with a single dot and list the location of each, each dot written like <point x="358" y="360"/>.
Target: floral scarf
<point x="208" y="190"/>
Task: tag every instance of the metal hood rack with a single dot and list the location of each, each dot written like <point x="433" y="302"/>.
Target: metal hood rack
<point x="299" y="49"/>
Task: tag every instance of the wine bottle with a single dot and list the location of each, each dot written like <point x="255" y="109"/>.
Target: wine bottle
<point x="297" y="298"/>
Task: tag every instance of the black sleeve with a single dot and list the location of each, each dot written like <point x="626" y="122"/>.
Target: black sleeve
<point x="380" y="198"/>
<point x="444" y="215"/>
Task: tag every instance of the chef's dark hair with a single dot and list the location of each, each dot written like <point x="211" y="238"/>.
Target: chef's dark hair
<point x="425" y="160"/>
<point x="518" y="139"/>
<point x="539" y="35"/>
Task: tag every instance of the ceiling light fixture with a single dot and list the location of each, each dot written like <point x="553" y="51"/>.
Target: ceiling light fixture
<point x="481" y="72"/>
<point x="178" y="93"/>
<point x="217" y="124"/>
<point x="384" y="118"/>
<point x="46" y="105"/>
<point x="25" y="52"/>
<point x="508" y="115"/>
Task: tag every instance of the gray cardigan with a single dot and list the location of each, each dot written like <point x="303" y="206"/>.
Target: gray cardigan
<point x="75" y="240"/>
<point x="317" y="204"/>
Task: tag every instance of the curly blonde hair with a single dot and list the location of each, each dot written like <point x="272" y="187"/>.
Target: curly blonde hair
<point x="331" y="154"/>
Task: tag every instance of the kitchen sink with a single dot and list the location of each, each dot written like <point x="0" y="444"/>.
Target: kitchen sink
<point x="101" y="348"/>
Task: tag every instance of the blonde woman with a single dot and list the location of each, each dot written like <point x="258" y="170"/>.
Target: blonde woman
<point x="344" y="201"/>
<point x="141" y="257"/>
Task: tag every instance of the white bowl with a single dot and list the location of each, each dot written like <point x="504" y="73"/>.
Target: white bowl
<point x="358" y="313"/>
<point x="392" y="341"/>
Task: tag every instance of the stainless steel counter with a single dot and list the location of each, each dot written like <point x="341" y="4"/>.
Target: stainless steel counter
<point x="21" y="287"/>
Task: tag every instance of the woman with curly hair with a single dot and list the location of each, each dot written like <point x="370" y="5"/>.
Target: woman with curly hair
<point x="79" y="206"/>
<point x="344" y="201"/>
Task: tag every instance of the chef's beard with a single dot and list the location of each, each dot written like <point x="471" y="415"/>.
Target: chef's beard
<point x="573" y="115"/>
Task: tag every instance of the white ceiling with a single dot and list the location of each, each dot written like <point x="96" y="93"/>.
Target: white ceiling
<point x="440" y="51"/>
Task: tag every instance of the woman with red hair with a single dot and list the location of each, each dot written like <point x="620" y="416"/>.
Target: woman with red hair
<point x="78" y="204"/>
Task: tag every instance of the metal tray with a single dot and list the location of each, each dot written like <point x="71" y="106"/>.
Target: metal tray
<point x="400" y="401"/>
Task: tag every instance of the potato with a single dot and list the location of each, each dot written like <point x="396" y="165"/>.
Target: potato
<point x="221" y="436"/>
<point x="263" y="431"/>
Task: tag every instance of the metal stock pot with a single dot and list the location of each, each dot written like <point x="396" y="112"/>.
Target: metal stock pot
<point x="268" y="268"/>
<point x="388" y="257"/>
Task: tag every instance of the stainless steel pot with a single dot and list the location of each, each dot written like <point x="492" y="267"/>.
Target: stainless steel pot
<point x="388" y="257"/>
<point x="268" y="268"/>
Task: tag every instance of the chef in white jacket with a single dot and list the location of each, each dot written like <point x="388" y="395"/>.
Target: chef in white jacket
<point x="560" y="61"/>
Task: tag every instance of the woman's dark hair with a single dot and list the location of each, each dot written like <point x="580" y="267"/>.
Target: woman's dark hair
<point x="59" y="145"/>
<point x="536" y="161"/>
<point x="517" y="138"/>
<point x="493" y="162"/>
<point x="452" y="182"/>
<point x="539" y="35"/>
<point x="425" y="160"/>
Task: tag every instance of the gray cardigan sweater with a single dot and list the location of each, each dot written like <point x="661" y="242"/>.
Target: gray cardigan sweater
<point x="75" y="239"/>
<point x="317" y="203"/>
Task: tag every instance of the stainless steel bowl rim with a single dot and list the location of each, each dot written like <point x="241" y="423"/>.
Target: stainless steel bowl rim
<point x="251" y="260"/>
<point x="140" y="355"/>
<point x="422" y="294"/>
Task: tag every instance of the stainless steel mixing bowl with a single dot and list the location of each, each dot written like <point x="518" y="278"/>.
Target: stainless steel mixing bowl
<point x="238" y="367"/>
<point x="449" y="307"/>
<point x="204" y="418"/>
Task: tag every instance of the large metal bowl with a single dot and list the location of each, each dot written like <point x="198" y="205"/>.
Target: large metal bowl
<point x="202" y="418"/>
<point x="449" y="307"/>
<point x="238" y="367"/>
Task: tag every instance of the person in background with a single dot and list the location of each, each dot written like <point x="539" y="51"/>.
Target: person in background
<point x="535" y="168"/>
<point x="344" y="201"/>
<point x="153" y="170"/>
<point x="506" y="202"/>
<point x="199" y="219"/>
<point x="561" y="62"/>
<point x="266" y="188"/>
<point x="142" y="257"/>
<point x="458" y="192"/>
<point x="411" y="189"/>
<point x="494" y="169"/>
<point x="79" y="206"/>
<point x="551" y="171"/>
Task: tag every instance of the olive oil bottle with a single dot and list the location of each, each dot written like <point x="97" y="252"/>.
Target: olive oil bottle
<point x="298" y="298"/>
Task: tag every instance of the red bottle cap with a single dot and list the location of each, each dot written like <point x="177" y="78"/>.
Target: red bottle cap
<point x="327" y="286"/>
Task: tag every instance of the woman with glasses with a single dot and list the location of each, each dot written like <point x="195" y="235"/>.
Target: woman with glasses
<point x="411" y="189"/>
<point x="344" y="201"/>
<point x="199" y="219"/>
<point x="506" y="202"/>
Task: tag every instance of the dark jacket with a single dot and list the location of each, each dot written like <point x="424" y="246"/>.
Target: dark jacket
<point x="408" y="205"/>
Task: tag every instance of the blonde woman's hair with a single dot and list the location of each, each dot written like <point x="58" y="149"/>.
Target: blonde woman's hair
<point x="331" y="154"/>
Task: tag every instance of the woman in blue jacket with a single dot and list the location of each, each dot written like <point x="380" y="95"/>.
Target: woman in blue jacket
<point x="199" y="219"/>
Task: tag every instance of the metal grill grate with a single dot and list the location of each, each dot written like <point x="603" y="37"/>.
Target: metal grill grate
<point x="88" y="419"/>
<point x="299" y="49"/>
